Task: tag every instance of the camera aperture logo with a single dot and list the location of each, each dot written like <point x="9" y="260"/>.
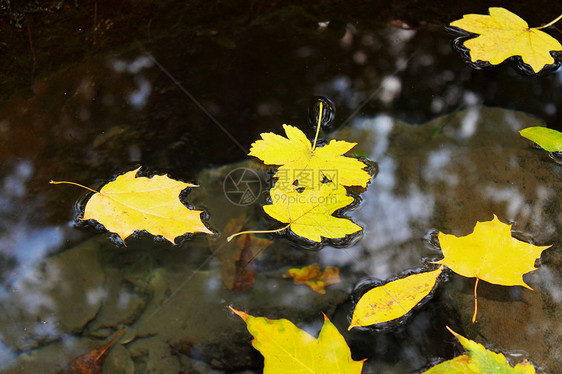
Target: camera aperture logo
<point x="242" y="186"/>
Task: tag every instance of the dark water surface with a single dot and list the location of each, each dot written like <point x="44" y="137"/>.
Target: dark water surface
<point x="90" y="92"/>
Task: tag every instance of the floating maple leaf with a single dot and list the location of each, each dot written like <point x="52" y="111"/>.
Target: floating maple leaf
<point x="310" y="184"/>
<point x="302" y="161"/>
<point x="490" y="254"/>
<point x="131" y="203"/>
<point x="479" y="360"/>
<point x="503" y="34"/>
<point x="289" y="350"/>
<point x="314" y="277"/>
<point x="309" y="212"/>
<point x="393" y="299"/>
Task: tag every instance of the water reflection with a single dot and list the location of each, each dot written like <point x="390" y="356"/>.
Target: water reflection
<point x="134" y="67"/>
<point x="140" y="95"/>
<point x="443" y="175"/>
<point x="24" y="245"/>
<point x="40" y="298"/>
<point x="90" y="121"/>
<point x="396" y="204"/>
<point x="446" y="175"/>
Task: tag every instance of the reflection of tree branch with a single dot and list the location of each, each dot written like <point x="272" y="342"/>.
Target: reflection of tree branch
<point x="446" y="120"/>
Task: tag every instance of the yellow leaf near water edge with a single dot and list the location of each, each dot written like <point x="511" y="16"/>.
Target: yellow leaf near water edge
<point x="479" y="360"/>
<point x="393" y="299"/>
<point x="503" y="34"/>
<point x="309" y="165"/>
<point x="131" y="203"/>
<point x="308" y="211"/>
<point x="314" y="277"/>
<point x="289" y="350"/>
<point x="491" y="254"/>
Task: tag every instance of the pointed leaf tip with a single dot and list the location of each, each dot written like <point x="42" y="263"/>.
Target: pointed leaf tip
<point x="239" y="313"/>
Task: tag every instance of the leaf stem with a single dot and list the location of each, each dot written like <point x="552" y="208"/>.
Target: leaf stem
<point x="320" y="111"/>
<point x="76" y="184"/>
<point x="550" y="23"/>
<point x="475" y="301"/>
<point x="256" y="232"/>
<point x="110" y="343"/>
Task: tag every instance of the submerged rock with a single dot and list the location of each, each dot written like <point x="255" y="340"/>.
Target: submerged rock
<point x="57" y="297"/>
<point x="444" y="176"/>
<point x="441" y="176"/>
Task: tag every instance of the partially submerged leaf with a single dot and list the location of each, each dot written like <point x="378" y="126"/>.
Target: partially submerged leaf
<point x="131" y="203"/>
<point x="91" y="362"/>
<point x="548" y="139"/>
<point x="314" y="277"/>
<point x="309" y="165"/>
<point x="479" y="360"/>
<point x="236" y="270"/>
<point x="289" y="350"/>
<point x="459" y="364"/>
<point x="393" y="299"/>
<point x="490" y="253"/>
<point x="503" y="34"/>
<point x="309" y="212"/>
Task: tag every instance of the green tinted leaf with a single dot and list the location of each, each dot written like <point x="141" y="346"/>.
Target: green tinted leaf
<point x="550" y="140"/>
<point x="458" y="364"/>
<point x="479" y="360"/>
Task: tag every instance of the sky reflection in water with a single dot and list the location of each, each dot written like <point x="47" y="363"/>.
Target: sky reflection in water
<point x="122" y="110"/>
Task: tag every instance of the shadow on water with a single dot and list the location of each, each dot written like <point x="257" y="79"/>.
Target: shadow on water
<point x="92" y="91"/>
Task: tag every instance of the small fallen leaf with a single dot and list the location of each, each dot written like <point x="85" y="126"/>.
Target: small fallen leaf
<point x="302" y="161"/>
<point x="235" y="257"/>
<point x="92" y="362"/>
<point x="131" y="203"/>
<point x="503" y="34"/>
<point x="479" y="360"/>
<point x="289" y="350"/>
<point x="309" y="212"/>
<point x="393" y="299"/>
<point x="314" y="277"/>
<point x="244" y="276"/>
<point x="548" y="139"/>
<point x="490" y="253"/>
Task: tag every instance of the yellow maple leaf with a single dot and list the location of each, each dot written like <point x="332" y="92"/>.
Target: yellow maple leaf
<point x="314" y="277"/>
<point x="479" y="360"/>
<point x="301" y="160"/>
<point x="128" y="204"/>
<point x="289" y="350"/>
<point x="308" y="212"/>
<point x="490" y="253"/>
<point x="393" y="299"/>
<point x="310" y="184"/>
<point x="503" y="34"/>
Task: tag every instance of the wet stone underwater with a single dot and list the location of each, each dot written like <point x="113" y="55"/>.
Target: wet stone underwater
<point x="187" y="99"/>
